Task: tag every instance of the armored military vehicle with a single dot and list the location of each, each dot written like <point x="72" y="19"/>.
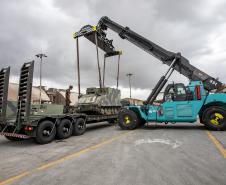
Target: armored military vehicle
<point x="103" y="101"/>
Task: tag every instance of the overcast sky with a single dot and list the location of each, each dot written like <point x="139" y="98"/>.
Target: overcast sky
<point x="197" y="29"/>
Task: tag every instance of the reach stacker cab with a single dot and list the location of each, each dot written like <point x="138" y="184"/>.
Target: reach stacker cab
<point x="180" y="104"/>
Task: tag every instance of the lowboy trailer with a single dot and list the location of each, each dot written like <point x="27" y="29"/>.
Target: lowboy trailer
<point x="43" y="122"/>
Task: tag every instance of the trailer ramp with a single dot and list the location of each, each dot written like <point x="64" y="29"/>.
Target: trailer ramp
<point x="4" y="84"/>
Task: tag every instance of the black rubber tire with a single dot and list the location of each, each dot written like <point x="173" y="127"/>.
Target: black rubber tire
<point x="14" y="138"/>
<point x="209" y="113"/>
<point x="64" y="129"/>
<point x="127" y="119"/>
<point x="44" y="138"/>
<point x="79" y="127"/>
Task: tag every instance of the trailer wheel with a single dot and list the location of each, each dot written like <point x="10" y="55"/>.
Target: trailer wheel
<point x="64" y="129"/>
<point x="127" y="119"/>
<point x="46" y="132"/>
<point x="79" y="127"/>
<point x="214" y="118"/>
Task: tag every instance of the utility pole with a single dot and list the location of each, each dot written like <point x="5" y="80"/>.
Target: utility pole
<point x="78" y="66"/>
<point x="118" y="69"/>
<point x="98" y="60"/>
<point x="129" y="76"/>
<point x="41" y="55"/>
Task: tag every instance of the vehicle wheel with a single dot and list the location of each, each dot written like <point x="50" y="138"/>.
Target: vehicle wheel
<point x="127" y="119"/>
<point x="214" y="118"/>
<point x="46" y="132"/>
<point x="14" y="138"/>
<point x="79" y="127"/>
<point x="64" y="129"/>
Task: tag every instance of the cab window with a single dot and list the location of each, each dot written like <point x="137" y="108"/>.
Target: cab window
<point x="181" y="90"/>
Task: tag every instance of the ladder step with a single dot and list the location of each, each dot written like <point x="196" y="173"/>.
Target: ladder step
<point x="23" y="72"/>
<point x="25" y="68"/>
<point x="23" y="89"/>
<point x="23" y="79"/>
<point x="22" y="94"/>
<point x="23" y="84"/>
<point x="22" y="101"/>
<point x="24" y="75"/>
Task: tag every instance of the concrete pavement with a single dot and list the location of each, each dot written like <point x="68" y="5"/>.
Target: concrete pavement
<point x="157" y="154"/>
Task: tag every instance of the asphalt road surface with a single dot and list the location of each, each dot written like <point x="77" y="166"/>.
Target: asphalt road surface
<point x="181" y="154"/>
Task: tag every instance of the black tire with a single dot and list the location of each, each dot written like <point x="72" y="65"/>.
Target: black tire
<point x="46" y="132"/>
<point x="14" y="138"/>
<point x="79" y="127"/>
<point x="214" y="118"/>
<point x="64" y="129"/>
<point x="127" y="119"/>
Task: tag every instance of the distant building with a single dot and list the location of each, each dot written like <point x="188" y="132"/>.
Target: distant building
<point x="13" y="94"/>
<point x="133" y="101"/>
<point x="57" y="96"/>
<point x="52" y="95"/>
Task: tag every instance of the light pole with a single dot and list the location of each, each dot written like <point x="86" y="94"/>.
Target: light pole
<point x="41" y="55"/>
<point x="129" y="76"/>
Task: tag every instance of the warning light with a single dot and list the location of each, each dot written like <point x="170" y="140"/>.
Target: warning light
<point x="28" y="128"/>
<point x="198" y="92"/>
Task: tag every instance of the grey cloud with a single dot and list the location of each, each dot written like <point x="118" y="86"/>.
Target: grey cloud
<point x="180" y="26"/>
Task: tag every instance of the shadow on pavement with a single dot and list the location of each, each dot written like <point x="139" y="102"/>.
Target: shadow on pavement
<point x="94" y="126"/>
<point x="175" y="127"/>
